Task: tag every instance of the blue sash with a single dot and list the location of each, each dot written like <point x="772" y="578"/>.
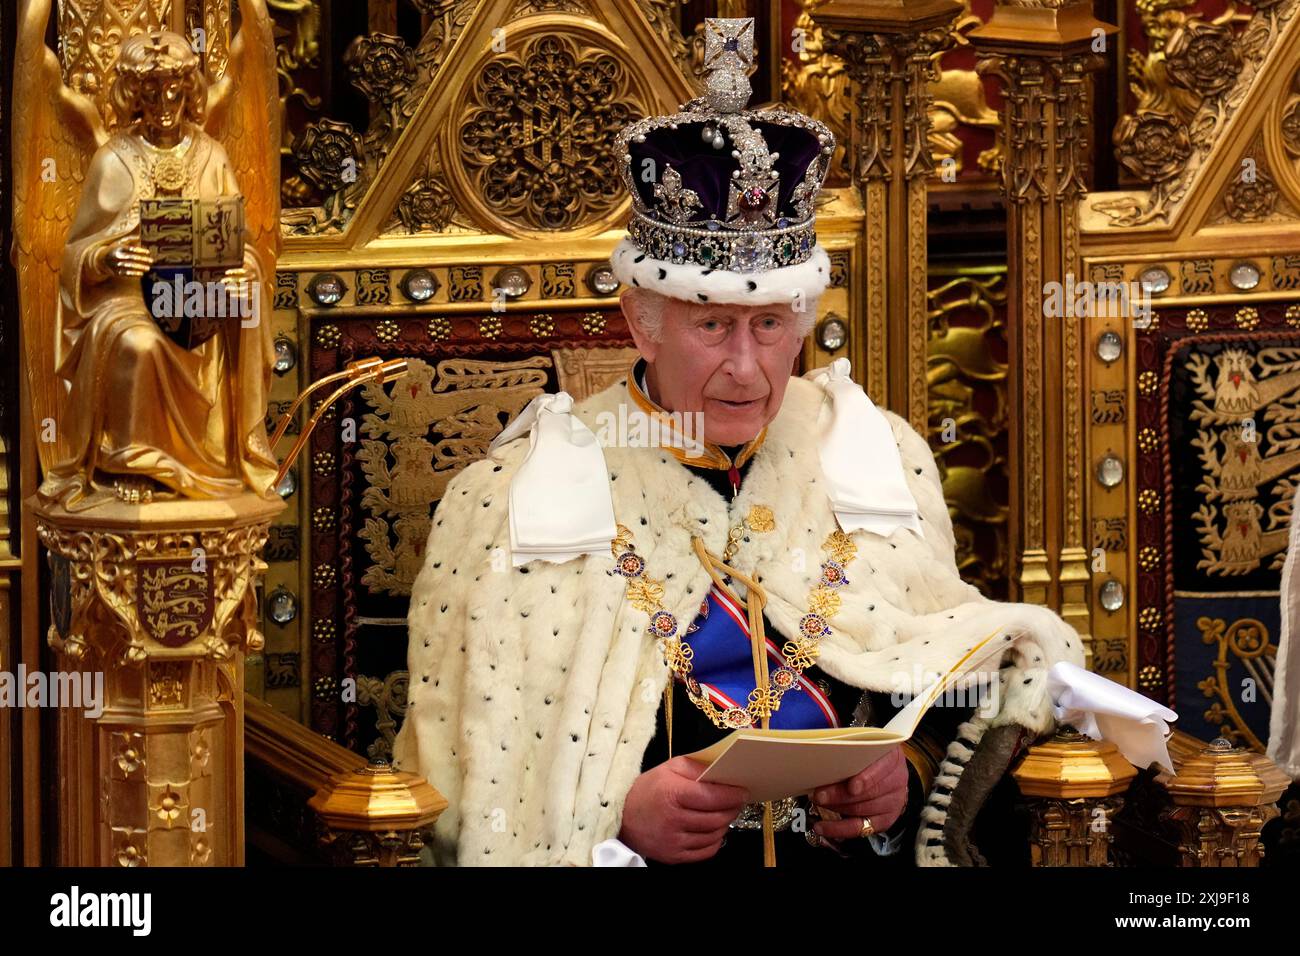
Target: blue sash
<point x="723" y="663"/>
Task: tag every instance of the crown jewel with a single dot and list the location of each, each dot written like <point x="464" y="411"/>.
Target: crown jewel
<point x="720" y="186"/>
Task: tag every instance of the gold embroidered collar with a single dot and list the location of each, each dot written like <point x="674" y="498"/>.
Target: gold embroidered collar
<point x="713" y="455"/>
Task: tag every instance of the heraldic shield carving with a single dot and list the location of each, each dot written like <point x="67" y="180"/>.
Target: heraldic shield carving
<point x="122" y="594"/>
<point x="175" y="599"/>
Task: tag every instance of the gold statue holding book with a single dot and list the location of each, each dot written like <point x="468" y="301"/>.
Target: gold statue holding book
<point x="151" y="385"/>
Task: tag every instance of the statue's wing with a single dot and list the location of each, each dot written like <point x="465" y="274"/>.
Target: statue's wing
<point x="56" y="131"/>
<point x="244" y="116"/>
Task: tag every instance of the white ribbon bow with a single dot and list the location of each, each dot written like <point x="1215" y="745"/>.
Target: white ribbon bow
<point x="1104" y="710"/>
<point x="560" y="502"/>
<point x="860" y="458"/>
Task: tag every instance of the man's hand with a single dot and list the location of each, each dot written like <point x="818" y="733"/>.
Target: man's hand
<point x="670" y="817"/>
<point x="878" y="792"/>
<point x="126" y="258"/>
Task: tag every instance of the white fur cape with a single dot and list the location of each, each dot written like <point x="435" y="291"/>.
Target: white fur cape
<point x="534" y="690"/>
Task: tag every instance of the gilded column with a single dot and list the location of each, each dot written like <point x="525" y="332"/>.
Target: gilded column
<point x="152" y="610"/>
<point x="1074" y="788"/>
<point x="889" y="49"/>
<point x="154" y="509"/>
<point x="1221" y="799"/>
<point x="1042" y="53"/>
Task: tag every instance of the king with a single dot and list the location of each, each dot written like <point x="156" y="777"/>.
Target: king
<point x="588" y="613"/>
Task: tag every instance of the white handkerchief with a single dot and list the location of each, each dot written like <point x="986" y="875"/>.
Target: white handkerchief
<point x="1104" y="710"/>
<point x="560" y="502"/>
<point x="860" y="458"/>
<point x="614" y="852"/>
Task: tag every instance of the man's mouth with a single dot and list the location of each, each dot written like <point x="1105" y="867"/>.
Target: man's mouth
<point x="739" y="406"/>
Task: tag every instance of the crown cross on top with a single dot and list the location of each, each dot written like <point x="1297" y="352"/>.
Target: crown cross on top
<point x="728" y="43"/>
<point x="728" y="57"/>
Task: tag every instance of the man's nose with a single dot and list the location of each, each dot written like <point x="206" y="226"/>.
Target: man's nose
<point x="742" y="364"/>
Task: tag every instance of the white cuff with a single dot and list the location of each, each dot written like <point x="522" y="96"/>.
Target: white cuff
<point x="886" y="845"/>
<point x="613" y="852"/>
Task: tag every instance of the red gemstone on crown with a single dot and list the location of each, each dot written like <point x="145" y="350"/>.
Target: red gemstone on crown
<point x="754" y="198"/>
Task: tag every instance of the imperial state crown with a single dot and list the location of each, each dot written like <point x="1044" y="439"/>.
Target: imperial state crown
<point x="723" y="196"/>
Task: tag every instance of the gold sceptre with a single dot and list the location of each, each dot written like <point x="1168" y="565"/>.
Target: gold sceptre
<point x="356" y="373"/>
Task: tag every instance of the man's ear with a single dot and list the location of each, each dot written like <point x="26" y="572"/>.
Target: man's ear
<point x="633" y="308"/>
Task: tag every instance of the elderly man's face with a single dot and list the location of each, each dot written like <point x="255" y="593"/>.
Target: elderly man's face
<point x="731" y="362"/>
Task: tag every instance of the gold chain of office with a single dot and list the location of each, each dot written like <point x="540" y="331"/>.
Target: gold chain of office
<point x="646" y="594"/>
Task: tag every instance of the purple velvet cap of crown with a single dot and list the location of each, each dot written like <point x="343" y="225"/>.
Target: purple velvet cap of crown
<point x="708" y="171"/>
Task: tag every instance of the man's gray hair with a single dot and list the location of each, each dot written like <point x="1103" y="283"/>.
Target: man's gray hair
<point x="652" y="305"/>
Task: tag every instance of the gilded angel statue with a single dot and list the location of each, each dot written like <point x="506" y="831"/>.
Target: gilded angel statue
<point x="123" y="409"/>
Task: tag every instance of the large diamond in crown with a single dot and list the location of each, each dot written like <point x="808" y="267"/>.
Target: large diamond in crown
<point x="720" y="186"/>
